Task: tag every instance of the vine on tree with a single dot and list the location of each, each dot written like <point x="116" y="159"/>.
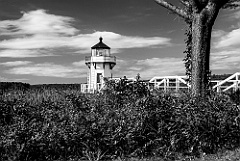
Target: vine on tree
<point x="188" y="41"/>
<point x="188" y="57"/>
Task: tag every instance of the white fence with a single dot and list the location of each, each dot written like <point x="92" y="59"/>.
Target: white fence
<point x="91" y="88"/>
<point x="170" y="83"/>
<point x="176" y="83"/>
<point x="230" y="83"/>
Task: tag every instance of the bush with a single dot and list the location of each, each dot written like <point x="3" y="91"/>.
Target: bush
<point x="235" y="96"/>
<point x="125" y="120"/>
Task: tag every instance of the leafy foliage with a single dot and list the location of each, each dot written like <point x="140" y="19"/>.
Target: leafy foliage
<point x="188" y="51"/>
<point x="125" y="120"/>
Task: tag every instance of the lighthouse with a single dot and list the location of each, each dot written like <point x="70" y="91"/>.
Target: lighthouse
<point x="100" y="65"/>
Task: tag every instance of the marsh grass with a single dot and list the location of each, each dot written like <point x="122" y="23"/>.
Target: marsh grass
<point x="125" y="122"/>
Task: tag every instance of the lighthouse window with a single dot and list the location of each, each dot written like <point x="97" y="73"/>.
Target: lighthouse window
<point x="100" y="52"/>
<point x="99" y="77"/>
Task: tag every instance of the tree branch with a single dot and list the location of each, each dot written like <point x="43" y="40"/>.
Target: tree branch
<point x="180" y="12"/>
<point x="185" y="3"/>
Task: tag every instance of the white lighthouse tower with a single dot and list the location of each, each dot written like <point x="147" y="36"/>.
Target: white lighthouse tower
<point x="100" y="65"/>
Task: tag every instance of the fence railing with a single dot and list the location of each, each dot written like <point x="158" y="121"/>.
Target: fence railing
<point x="170" y="83"/>
<point x="176" y="83"/>
<point x="230" y="83"/>
<point x="91" y="88"/>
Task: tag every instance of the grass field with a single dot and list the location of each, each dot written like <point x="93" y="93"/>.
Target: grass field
<point x="125" y="122"/>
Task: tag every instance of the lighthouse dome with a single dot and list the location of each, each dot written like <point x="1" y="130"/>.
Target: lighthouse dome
<point x="100" y="45"/>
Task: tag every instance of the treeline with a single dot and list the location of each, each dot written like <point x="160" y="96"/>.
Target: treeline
<point x="220" y="76"/>
<point x="57" y="86"/>
<point x="7" y="86"/>
<point x="24" y="86"/>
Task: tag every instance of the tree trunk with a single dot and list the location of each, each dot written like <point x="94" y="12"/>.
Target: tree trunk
<point x="202" y="23"/>
<point x="201" y="39"/>
<point x="201" y="14"/>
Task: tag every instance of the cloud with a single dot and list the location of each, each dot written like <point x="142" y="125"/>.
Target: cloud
<point x="14" y="53"/>
<point x="79" y="63"/>
<point x="117" y="41"/>
<point x="48" y="70"/>
<point x="149" y="68"/>
<point x="38" y="30"/>
<point x="229" y="40"/>
<point x="34" y="42"/>
<point x="15" y="63"/>
<point x="3" y="79"/>
<point x="236" y="14"/>
<point x="218" y="33"/>
<point x="38" y="22"/>
<point x="231" y="37"/>
<point x="225" y="55"/>
<point x="226" y="60"/>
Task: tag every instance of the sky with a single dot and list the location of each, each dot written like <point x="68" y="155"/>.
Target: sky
<point x="46" y="41"/>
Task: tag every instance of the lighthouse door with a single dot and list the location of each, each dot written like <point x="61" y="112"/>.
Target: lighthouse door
<point x="99" y="77"/>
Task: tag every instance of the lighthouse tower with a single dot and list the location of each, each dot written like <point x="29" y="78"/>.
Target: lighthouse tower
<point x="100" y="65"/>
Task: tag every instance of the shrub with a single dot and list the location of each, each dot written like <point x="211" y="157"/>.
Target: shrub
<point x="125" y="120"/>
<point x="235" y="96"/>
